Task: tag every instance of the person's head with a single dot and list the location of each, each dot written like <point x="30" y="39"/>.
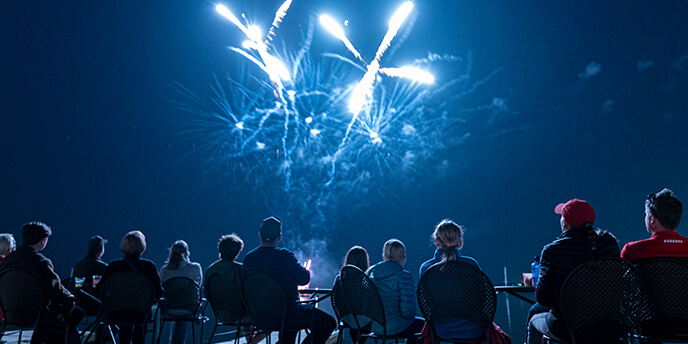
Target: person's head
<point x="7" y="244"/>
<point x="662" y="211"/>
<point x="575" y="213"/>
<point x="230" y="246"/>
<point x="394" y="251"/>
<point x="357" y="256"/>
<point x="448" y="236"/>
<point x="178" y="252"/>
<point x="35" y="234"/>
<point x="96" y="246"/>
<point x="270" y="231"/>
<point x="133" y="243"/>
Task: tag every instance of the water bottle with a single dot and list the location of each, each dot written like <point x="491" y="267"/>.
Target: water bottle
<point x="535" y="270"/>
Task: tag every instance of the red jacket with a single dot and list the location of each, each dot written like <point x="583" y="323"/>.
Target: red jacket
<point x="661" y="244"/>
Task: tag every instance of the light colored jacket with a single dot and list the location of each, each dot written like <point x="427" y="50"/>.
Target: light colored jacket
<point x="398" y="294"/>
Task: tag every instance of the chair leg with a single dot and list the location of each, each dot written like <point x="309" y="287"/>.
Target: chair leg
<point x="193" y="333"/>
<point x="238" y="335"/>
<point x="162" y="326"/>
<point x="200" y="340"/>
<point x="339" y="335"/>
<point x="213" y="333"/>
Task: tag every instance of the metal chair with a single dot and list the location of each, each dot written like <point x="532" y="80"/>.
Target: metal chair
<point x="92" y="306"/>
<point x="456" y="290"/>
<point x="266" y="303"/>
<point x="665" y="287"/>
<point x="364" y="300"/>
<point x="181" y="301"/>
<point x="127" y="299"/>
<point x="227" y="305"/>
<point x="603" y="291"/>
<point x="23" y="302"/>
<point x="345" y="318"/>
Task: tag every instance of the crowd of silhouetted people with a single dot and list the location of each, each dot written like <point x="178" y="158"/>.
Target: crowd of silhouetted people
<point x="578" y="243"/>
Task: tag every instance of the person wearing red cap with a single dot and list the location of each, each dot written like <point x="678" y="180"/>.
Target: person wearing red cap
<point x="662" y="215"/>
<point x="578" y="242"/>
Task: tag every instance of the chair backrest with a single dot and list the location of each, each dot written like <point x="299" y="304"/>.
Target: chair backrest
<point x="224" y="299"/>
<point x="665" y="285"/>
<point x="339" y="303"/>
<point x="21" y="298"/>
<point x="181" y="294"/>
<point x="604" y="290"/>
<point x="362" y="296"/>
<point x="456" y="290"/>
<point x="129" y="292"/>
<point x="265" y="300"/>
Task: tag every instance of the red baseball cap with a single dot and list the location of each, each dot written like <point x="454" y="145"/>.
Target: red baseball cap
<point x="576" y="212"/>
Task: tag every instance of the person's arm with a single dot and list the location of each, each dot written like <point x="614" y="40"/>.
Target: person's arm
<point x="57" y="293"/>
<point x="544" y="291"/>
<point x="298" y="272"/>
<point x="198" y="273"/>
<point x="625" y="252"/>
<point x="106" y="274"/>
<point x="407" y="304"/>
<point x="151" y="272"/>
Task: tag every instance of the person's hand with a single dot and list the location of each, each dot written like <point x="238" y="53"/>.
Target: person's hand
<point x="69" y="304"/>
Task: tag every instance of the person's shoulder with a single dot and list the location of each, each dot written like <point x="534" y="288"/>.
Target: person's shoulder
<point x="213" y="265"/>
<point x="250" y="254"/>
<point x="284" y="250"/>
<point x="117" y="262"/>
<point x="195" y="266"/>
<point x="634" y="244"/>
<point x="426" y="265"/>
<point x="148" y="264"/>
<point x="469" y="260"/>
<point x="146" y="261"/>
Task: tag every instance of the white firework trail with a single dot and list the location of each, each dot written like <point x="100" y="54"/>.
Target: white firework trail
<point x="271" y="65"/>
<point x="276" y="70"/>
<point x="336" y="30"/>
<point x="281" y="12"/>
<point x="362" y="92"/>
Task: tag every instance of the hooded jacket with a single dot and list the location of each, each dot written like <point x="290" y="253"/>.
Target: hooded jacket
<point x="398" y="294"/>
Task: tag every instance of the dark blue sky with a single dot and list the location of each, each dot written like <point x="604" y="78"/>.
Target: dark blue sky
<point x="91" y="141"/>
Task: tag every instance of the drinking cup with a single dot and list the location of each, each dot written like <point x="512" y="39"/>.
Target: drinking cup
<point x="528" y="279"/>
<point x="79" y="281"/>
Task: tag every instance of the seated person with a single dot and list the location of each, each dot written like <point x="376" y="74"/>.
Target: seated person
<point x="448" y="237"/>
<point x="7" y="245"/>
<point x="89" y="266"/>
<point x="662" y="215"/>
<point x="398" y="293"/>
<point x="229" y="247"/>
<point x="179" y="265"/>
<point x="358" y="257"/>
<point x="578" y="243"/>
<point x="60" y="302"/>
<point x="282" y="265"/>
<point x="132" y="245"/>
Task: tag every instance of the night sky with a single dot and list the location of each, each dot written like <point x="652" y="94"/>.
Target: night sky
<point x="92" y="140"/>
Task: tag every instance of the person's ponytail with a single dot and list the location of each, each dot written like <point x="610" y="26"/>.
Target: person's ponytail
<point x="592" y="236"/>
